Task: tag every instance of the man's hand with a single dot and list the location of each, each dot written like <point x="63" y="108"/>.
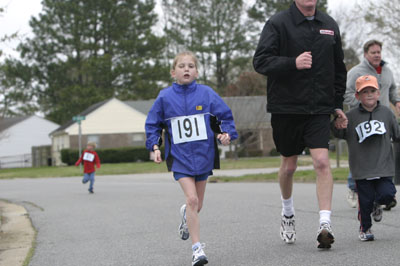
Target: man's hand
<point x="304" y="61"/>
<point x="224" y="138"/>
<point x="341" y="120"/>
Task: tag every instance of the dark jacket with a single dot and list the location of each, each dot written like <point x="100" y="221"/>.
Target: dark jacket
<point x="318" y="90"/>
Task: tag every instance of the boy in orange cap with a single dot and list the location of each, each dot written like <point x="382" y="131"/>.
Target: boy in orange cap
<point x="369" y="134"/>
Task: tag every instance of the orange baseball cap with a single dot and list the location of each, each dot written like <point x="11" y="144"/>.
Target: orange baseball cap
<point x="366" y="81"/>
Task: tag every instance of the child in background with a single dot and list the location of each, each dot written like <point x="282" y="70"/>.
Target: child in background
<point x="90" y="159"/>
<point x="371" y="129"/>
<point x="194" y="117"/>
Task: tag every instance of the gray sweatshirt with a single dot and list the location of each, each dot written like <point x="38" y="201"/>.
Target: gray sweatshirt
<point x="386" y="83"/>
<point x="373" y="157"/>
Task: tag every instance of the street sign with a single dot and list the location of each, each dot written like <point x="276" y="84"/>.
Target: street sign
<point x="78" y="118"/>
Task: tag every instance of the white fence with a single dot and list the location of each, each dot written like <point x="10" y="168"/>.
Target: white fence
<point x="16" y="161"/>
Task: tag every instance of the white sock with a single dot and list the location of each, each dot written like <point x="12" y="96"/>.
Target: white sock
<point x="195" y="246"/>
<point x="324" y="217"/>
<point x="287" y="206"/>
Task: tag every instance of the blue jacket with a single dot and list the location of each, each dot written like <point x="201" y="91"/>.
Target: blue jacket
<point x="175" y="111"/>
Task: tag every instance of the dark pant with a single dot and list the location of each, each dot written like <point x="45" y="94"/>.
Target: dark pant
<point x="381" y="191"/>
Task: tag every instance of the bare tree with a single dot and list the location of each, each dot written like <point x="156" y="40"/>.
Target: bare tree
<point x="369" y="19"/>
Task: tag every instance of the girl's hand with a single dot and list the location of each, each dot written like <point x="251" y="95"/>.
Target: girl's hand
<point x="224" y="138"/>
<point x="157" y="156"/>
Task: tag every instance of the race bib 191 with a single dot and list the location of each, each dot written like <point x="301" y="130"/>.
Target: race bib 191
<point x="88" y="157"/>
<point x="188" y="128"/>
<point x="369" y="128"/>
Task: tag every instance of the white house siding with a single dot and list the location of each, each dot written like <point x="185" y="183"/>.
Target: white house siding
<point x="19" y="138"/>
<point x="114" y="117"/>
<point x="60" y="141"/>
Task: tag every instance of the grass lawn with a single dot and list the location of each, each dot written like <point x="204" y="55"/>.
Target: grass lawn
<point x="136" y="168"/>
<point x="140" y="167"/>
<point x="63" y="171"/>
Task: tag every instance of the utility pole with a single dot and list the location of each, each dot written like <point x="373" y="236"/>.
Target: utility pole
<point x="79" y="119"/>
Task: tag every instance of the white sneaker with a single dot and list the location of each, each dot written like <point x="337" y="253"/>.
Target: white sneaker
<point x="352" y="198"/>
<point x="367" y="236"/>
<point x="199" y="258"/>
<point x="377" y="212"/>
<point x="183" y="229"/>
<point x="325" y="236"/>
<point x="288" y="230"/>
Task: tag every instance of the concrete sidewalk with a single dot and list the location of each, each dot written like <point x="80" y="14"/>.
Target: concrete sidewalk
<point x="16" y="234"/>
<point x="242" y="172"/>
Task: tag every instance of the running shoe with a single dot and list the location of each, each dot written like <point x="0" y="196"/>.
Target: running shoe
<point x="183" y="229"/>
<point x="352" y="198"/>
<point x="325" y="236"/>
<point x="366" y="236"/>
<point x="377" y="212"/>
<point x="288" y="230"/>
<point x="199" y="258"/>
<point x="391" y="205"/>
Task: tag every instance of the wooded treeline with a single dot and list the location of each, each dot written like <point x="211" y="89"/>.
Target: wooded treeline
<point x="86" y="51"/>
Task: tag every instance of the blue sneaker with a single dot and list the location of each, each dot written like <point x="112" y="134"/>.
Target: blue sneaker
<point x="366" y="236"/>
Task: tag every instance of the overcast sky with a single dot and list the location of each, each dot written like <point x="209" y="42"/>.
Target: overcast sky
<point x="18" y="13"/>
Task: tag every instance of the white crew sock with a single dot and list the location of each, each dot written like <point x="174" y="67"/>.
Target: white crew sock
<point x="287" y="206"/>
<point x="195" y="246"/>
<point x="324" y="217"/>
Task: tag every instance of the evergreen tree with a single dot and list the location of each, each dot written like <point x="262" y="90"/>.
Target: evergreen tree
<point x="15" y="97"/>
<point x="85" y="51"/>
<point x="213" y="29"/>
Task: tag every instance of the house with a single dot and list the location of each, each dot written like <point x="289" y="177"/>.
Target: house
<point x="253" y="124"/>
<point x="17" y="137"/>
<point x="114" y="123"/>
<point x="111" y="124"/>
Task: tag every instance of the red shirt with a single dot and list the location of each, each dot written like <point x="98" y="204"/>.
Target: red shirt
<point x="379" y="70"/>
<point x="89" y="158"/>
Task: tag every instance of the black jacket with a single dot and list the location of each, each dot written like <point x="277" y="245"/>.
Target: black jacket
<point x="318" y="90"/>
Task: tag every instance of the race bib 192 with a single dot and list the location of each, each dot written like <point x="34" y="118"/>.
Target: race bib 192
<point x="369" y="128"/>
<point x="188" y="128"/>
<point x="88" y="157"/>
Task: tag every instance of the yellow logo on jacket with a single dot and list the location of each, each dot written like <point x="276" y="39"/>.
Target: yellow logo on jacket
<point x="199" y="107"/>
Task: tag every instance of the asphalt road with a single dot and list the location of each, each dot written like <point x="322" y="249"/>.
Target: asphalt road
<point x="132" y="221"/>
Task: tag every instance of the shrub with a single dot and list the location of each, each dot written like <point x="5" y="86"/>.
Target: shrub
<point x="115" y="155"/>
<point x="249" y="153"/>
<point x="274" y="152"/>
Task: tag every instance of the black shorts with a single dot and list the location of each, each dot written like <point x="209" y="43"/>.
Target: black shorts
<point x="292" y="132"/>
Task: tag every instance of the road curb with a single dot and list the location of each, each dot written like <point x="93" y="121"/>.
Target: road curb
<point x="17" y="234"/>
